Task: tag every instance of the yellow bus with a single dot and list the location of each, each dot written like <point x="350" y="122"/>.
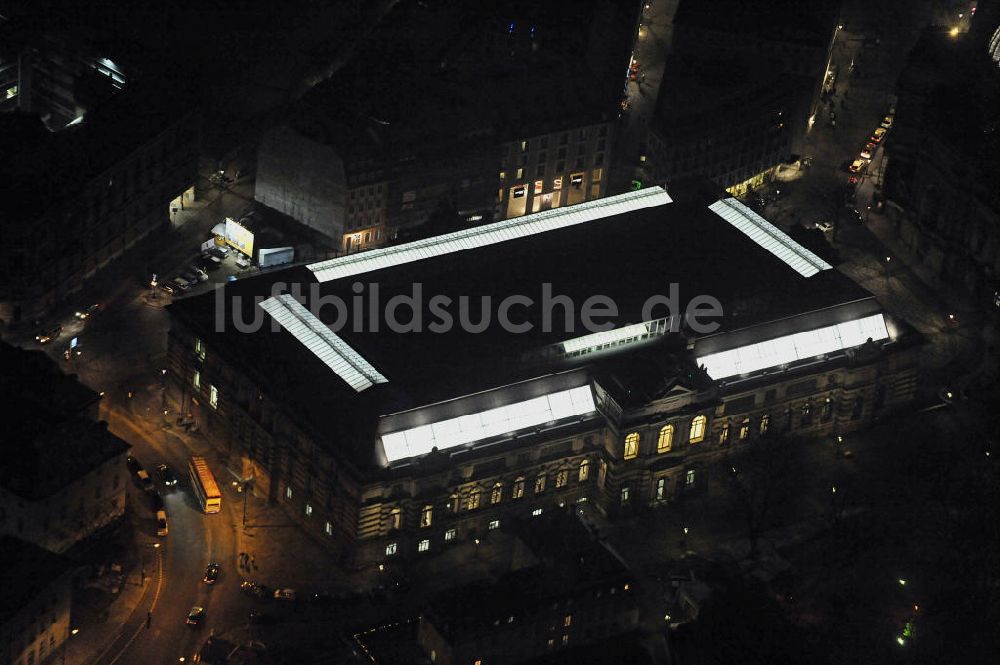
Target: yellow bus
<point x="204" y="485"/>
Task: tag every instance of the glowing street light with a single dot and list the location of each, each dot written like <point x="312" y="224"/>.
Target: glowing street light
<point x="954" y="31"/>
<point x="902" y="582"/>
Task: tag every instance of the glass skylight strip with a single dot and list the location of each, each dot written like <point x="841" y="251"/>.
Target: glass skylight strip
<point x="769" y="236"/>
<point x="798" y="346"/>
<point x="458" y="431"/>
<point x="325" y="345"/>
<point x="629" y="334"/>
<point x="489" y="234"/>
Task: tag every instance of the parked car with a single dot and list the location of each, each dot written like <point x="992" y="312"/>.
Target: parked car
<point x="868" y="150"/>
<point x="170" y="289"/>
<point x="195" y="616"/>
<point x="825" y="227"/>
<point x="857" y="166"/>
<point x="144" y="480"/>
<point x="220" y="252"/>
<point x="211" y="573"/>
<point x="161" y="523"/>
<point x="242" y="262"/>
<point x="180" y="283"/>
<point x="49" y="334"/>
<point x="256" y="590"/>
<point x="199" y="273"/>
<point x="887" y="122"/>
<point x="878" y="135"/>
<point x="191" y="276"/>
<point x="167" y="475"/>
<point x="284" y="594"/>
<point x="87" y="311"/>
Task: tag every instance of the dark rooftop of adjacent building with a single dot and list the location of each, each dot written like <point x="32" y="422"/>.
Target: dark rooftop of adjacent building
<point x="451" y="70"/>
<point x="51" y="443"/>
<point x="797" y="21"/>
<point x="49" y="168"/>
<point x="628" y="257"/>
<point x="26" y="570"/>
<point x="574" y="565"/>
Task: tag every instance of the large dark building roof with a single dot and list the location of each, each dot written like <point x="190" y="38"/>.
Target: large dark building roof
<point x="627" y="257"/>
<point x="50" y="444"/>
<point x="796" y="21"/>
<point x="573" y="565"/>
<point x="26" y="570"/>
<point x="449" y="70"/>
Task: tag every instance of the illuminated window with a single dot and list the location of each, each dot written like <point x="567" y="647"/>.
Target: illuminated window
<point x="539" y="185"/>
<point x="806" y="414"/>
<point x="625" y="495"/>
<point x="745" y="429"/>
<point x="665" y="442"/>
<point x="196" y="380"/>
<point x="497" y="494"/>
<point x="423" y="545"/>
<point x="520" y="174"/>
<point x="450" y="534"/>
<point x="697" y="431"/>
<point x="309" y="510"/>
<point x="395" y="518"/>
<point x="598" y="174"/>
<point x="453" y="503"/>
<point x="518" y="488"/>
<point x="632" y="445"/>
<point x="584" y="470"/>
<point x="524" y="146"/>
<point x="567" y="620"/>
<point x="576" y="180"/>
<point x="827" y="413"/>
<point x="390" y="549"/>
<point x="562" y="477"/>
<point x="199" y="348"/>
<point x="519" y="192"/>
<point x="288" y="492"/>
<point x="536" y="512"/>
<point x="540" y="483"/>
<point x="689" y="478"/>
<point x="503" y="174"/>
<point x="724" y="434"/>
<point x="565" y="640"/>
<point x="426" y="515"/>
<point x="213" y="396"/>
<point x="474" y="499"/>
<point x="661" y="489"/>
<point x="765" y="420"/>
<point x="494" y="524"/>
<point x="12" y="92"/>
<point x="329" y="529"/>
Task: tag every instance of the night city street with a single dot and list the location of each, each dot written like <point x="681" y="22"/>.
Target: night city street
<point x="657" y="332"/>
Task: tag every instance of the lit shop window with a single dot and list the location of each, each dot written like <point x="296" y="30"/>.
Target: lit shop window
<point x="536" y="512"/>
<point x="423" y="545"/>
<point x="390" y="549"/>
<point x="494" y="524"/>
<point x="519" y="192"/>
<point x="329" y="529"/>
<point x="213" y="397"/>
<point x="450" y="534"/>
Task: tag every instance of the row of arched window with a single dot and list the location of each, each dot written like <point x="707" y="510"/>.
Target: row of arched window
<point x="665" y="438"/>
<point x="475" y="498"/>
